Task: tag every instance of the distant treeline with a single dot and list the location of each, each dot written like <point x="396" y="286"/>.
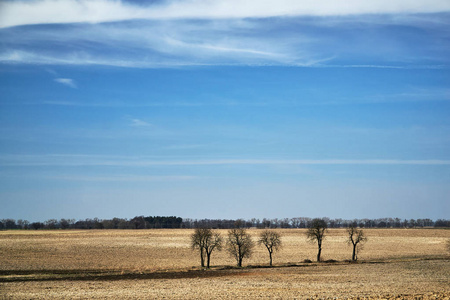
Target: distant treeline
<point x="142" y="222"/>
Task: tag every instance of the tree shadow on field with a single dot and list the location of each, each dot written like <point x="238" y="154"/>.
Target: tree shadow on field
<point x="219" y="271"/>
<point x="115" y="275"/>
<point x="92" y="275"/>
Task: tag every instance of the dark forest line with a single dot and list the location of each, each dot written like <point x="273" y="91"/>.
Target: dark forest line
<point x="141" y="222"/>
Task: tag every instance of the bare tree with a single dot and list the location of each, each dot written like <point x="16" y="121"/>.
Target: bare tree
<point x="316" y="232"/>
<point x="272" y="240"/>
<point x="295" y="222"/>
<point x="239" y="244"/>
<point x="212" y="242"/>
<point x="206" y="241"/>
<point x="355" y="236"/>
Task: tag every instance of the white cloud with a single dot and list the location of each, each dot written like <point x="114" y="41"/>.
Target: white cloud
<point x="67" y="82"/>
<point x="210" y="33"/>
<point x="139" y="123"/>
<point x="64" y="11"/>
<point x="14" y="13"/>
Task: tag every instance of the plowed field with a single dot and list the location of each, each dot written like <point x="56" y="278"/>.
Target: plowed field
<point x="121" y="264"/>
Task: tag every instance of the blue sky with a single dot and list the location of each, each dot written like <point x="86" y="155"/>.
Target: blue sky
<point x="224" y="109"/>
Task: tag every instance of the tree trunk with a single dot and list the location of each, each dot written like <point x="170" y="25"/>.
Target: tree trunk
<point x="240" y="257"/>
<point x="270" y="255"/>
<point x="318" y="253"/>
<point x="354" y="258"/>
<point x="202" y="258"/>
<point x="208" y="258"/>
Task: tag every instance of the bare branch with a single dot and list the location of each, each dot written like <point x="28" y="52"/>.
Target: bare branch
<point x="316" y="232"/>
<point x="239" y="244"/>
<point x="271" y="240"/>
<point x="355" y="236"/>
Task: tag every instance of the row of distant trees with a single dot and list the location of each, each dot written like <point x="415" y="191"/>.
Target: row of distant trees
<point x="141" y="222"/>
<point x="239" y="243"/>
<point x="304" y="222"/>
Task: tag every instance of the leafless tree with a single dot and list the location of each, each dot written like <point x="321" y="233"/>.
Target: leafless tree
<point x="295" y="222"/>
<point x="212" y="243"/>
<point x="355" y="236"/>
<point x="206" y="241"/>
<point x="272" y="240"/>
<point x="316" y="232"/>
<point x="239" y="244"/>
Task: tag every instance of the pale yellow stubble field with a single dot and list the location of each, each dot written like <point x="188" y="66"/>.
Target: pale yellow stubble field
<point x="155" y="264"/>
<point x="169" y="249"/>
<point x="395" y="280"/>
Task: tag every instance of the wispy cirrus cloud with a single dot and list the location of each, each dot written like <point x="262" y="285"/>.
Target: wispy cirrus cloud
<point x="202" y="33"/>
<point x="139" y="123"/>
<point x="67" y="82"/>
<point x="136" y="122"/>
<point x="150" y="44"/>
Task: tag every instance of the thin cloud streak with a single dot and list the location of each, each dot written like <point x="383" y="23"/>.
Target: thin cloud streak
<point x="92" y="160"/>
<point x="103" y="178"/>
<point x="416" y="94"/>
<point x="96" y="11"/>
<point x="123" y="178"/>
<point x="25" y="57"/>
